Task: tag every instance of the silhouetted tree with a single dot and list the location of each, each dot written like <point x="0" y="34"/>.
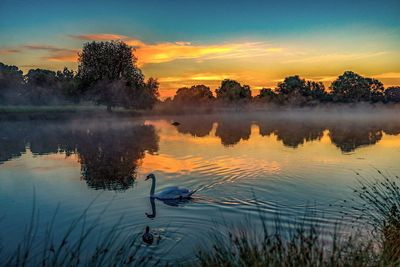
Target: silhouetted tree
<point x="392" y="94"/>
<point x="232" y="90"/>
<point x="295" y="90"/>
<point x="196" y="94"/>
<point x="147" y="96"/>
<point x="41" y="86"/>
<point x="111" y="66"/>
<point x="11" y="82"/>
<point x="350" y="87"/>
<point x="68" y="84"/>
<point x="293" y="84"/>
<point x="317" y="90"/>
<point x="376" y="90"/>
<point x="267" y="95"/>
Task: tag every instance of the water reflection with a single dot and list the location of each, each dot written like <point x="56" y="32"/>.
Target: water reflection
<point x="291" y="132"/>
<point x="346" y="134"/>
<point x="109" y="153"/>
<point x="168" y="202"/>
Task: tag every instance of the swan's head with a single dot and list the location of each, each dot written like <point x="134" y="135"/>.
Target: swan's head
<point x="150" y="176"/>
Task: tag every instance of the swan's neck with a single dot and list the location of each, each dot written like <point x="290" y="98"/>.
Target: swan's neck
<point x="153" y="186"/>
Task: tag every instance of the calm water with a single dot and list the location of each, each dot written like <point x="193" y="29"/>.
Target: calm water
<point x="240" y="164"/>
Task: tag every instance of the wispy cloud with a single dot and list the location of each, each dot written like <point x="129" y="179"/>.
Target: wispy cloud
<point x="55" y="54"/>
<point x="168" y="51"/>
<point x="7" y="51"/>
<point x="334" y="57"/>
<point x="99" y="37"/>
<point x="388" y="75"/>
<point x="155" y="53"/>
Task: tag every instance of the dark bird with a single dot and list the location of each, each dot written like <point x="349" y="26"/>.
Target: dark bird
<point x="147" y="237"/>
<point x="175" y="123"/>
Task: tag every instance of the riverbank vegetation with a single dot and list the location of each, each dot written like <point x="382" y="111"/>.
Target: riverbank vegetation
<point x="107" y="74"/>
<point x="373" y="242"/>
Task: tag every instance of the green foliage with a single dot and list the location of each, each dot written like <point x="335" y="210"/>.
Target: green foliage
<point x="232" y="90"/>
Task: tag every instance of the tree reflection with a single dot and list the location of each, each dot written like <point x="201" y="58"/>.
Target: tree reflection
<point x="349" y="136"/>
<point x="109" y="153"/>
<point x="292" y="133"/>
<point x="198" y="126"/>
<point x="232" y="130"/>
<point x="109" y="157"/>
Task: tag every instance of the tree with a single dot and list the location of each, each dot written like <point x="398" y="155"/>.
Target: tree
<point x="317" y="90"/>
<point x="392" y="94"/>
<point x="293" y="84"/>
<point x="194" y="95"/>
<point x="11" y="82"/>
<point x="148" y="94"/>
<point x="41" y="86"/>
<point x="232" y="90"/>
<point x="68" y="84"/>
<point x="267" y="95"/>
<point x="108" y="65"/>
<point x="376" y="90"/>
<point x="351" y="87"/>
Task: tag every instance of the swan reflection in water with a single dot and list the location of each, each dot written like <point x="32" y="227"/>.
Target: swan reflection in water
<point x="169" y="202"/>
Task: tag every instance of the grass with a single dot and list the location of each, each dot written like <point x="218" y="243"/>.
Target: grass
<point x="376" y="202"/>
<point x="49" y="112"/>
<point x="74" y="248"/>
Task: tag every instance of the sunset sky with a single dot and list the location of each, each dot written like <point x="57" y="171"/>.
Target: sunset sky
<point x="183" y="43"/>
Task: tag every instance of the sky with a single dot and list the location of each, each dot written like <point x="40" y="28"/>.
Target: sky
<point x="187" y="42"/>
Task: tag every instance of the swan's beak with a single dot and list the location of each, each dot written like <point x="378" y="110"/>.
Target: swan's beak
<point x="147" y="177"/>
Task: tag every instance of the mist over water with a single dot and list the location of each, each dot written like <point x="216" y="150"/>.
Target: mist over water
<point x="279" y="162"/>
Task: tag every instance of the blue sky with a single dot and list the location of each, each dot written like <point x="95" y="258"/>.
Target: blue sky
<point x="326" y="27"/>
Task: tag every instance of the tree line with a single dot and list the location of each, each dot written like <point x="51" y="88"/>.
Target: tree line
<point x="107" y="74"/>
<point x="349" y="87"/>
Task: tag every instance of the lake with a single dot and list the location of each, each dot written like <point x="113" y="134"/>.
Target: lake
<point x="277" y="164"/>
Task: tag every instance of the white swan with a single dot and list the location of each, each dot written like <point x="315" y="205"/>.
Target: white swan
<point x="172" y="192"/>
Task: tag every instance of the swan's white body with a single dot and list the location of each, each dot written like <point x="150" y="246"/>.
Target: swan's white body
<point x="172" y="192"/>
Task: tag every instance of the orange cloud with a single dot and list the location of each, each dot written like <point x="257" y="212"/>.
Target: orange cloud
<point x="63" y="56"/>
<point x="165" y="52"/>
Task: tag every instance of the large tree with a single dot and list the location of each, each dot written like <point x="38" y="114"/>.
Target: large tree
<point x="233" y="91"/>
<point x="351" y="87"/>
<point x="109" y="70"/>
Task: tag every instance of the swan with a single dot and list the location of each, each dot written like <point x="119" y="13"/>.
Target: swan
<point x="172" y="192"/>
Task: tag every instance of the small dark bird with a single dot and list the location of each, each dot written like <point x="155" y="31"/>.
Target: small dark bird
<point x="175" y="123"/>
<point x="147" y="237"/>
